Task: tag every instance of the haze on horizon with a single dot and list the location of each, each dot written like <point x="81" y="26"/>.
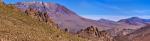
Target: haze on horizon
<point x="106" y="9"/>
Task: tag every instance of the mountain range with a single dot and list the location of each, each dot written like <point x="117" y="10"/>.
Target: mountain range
<point x="40" y="21"/>
<point x="67" y="19"/>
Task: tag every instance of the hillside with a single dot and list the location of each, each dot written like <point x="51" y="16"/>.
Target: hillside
<point x="17" y="26"/>
<point x="142" y="34"/>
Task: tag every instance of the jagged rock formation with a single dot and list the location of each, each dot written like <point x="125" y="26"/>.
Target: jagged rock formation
<point x="41" y="16"/>
<point x="90" y="30"/>
<point x="95" y="35"/>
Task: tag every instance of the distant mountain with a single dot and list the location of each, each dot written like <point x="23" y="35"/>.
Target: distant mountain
<point x="147" y="20"/>
<point x="135" y="21"/>
<point x="107" y="22"/>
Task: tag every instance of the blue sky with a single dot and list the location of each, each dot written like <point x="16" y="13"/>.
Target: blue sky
<point x="107" y="9"/>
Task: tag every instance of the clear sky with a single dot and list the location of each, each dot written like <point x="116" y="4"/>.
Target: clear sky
<point x="107" y="9"/>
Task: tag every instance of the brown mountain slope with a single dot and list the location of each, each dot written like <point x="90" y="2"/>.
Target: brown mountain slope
<point x="16" y="26"/>
<point x="142" y="34"/>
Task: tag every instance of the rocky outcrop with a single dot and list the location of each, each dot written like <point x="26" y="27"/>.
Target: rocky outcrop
<point x="41" y="16"/>
<point x="92" y="30"/>
<point x="93" y="34"/>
